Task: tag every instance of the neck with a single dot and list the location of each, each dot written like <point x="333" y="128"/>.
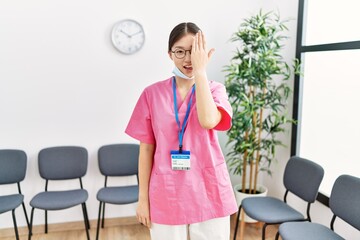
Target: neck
<point x="184" y="83"/>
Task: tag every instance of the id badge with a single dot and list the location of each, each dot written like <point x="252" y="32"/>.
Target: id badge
<point x="180" y="161"/>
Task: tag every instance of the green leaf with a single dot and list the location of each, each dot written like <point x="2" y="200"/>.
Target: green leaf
<point x="258" y="64"/>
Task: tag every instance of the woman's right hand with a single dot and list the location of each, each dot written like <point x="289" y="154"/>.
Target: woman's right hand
<point x="146" y="157"/>
<point x="143" y="213"/>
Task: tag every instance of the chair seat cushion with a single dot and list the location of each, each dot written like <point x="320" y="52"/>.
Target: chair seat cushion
<point x="58" y="200"/>
<point x="306" y="230"/>
<point x="118" y="195"/>
<point x="10" y="202"/>
<point x="270" y="210"/>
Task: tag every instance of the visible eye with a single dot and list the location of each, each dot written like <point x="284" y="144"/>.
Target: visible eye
<point x="179" y="52"/>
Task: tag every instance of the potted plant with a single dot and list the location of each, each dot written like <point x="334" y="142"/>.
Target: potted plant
<point x="257" y="85"/>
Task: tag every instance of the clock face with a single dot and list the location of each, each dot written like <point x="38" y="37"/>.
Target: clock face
<point x="128" y="36"/>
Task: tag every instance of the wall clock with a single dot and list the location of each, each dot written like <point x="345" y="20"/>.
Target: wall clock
<point x="128" y="36"/>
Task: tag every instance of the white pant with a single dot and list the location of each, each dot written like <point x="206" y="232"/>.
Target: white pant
<point x="213" y="229"/>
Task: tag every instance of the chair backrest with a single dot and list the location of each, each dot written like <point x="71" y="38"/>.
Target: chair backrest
<point x="12" y="166"/>
<point x="63" y="162"/>
<point x="345" y="199"/>
<point x="302" y="177"/>
<point x="119" y="159"/>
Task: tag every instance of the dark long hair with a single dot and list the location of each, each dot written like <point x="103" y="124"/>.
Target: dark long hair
<point x="181" y="30"/>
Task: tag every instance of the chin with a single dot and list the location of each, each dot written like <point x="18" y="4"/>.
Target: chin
<point x="189" y="73"/>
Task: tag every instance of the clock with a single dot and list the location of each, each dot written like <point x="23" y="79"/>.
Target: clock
<point x="128" y="36"/>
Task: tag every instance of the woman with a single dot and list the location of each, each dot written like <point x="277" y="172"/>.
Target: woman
<point x="184" y="183"/>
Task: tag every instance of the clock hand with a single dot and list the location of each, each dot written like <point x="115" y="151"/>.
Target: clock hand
<point x="136" y="33"/>
<point x="128" y="35"/>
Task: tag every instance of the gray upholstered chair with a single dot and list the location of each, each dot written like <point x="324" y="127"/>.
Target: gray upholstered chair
<point x="302" y="178"/>
<point x="61" y="163"/>
<point x="13" y="164"/>
<point x="117" y="160"/>
<point x="344" y="203"/>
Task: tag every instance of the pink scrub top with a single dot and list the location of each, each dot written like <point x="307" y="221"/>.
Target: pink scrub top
<point x="183" y="196"/>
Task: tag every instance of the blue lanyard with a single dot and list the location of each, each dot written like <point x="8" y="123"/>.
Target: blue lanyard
<point x="182" y="128"/>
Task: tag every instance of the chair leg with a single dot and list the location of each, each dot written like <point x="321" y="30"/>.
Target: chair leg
<point x="15" y="225"/>
<point x="242" y="225"/>
<point x="31" y="221"/>
<point x="277" y="235"/>
<point x="26" y="216"/>
<point x="46" y="225"/>
<point x="103" y="216"/>
<point x="87" y="216"/>
<point x="237" y="223"/>
<point x="263" y="231"/>
<point x="98" y="222"/>
<point x="85" y="221"/>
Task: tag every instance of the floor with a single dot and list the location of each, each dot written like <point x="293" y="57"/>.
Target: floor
<point x="139" y="232"/>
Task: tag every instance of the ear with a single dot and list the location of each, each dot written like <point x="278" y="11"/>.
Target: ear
<point x="170" y="55"/>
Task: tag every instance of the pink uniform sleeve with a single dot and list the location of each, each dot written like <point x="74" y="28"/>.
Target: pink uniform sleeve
<point x="222" y="102"/>
<point x="139" y="126"/>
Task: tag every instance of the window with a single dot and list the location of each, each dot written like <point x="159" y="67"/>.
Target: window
<point x="327" y="96"/>
<point x="331" y="21"/>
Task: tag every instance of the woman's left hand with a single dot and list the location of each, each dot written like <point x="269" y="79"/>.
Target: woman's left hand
<point x="199" y="55"/>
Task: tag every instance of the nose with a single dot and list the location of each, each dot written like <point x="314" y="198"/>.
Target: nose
<point x="188" y="56"/>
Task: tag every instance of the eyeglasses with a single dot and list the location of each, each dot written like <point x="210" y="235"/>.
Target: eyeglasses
<point x="180" y="53"/>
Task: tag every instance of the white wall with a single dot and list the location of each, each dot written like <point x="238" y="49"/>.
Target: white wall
<point x="63" y="83"/>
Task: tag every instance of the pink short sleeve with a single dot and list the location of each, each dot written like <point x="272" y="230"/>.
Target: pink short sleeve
<point x="222" y="102"/>
<point x="140" y="126"/>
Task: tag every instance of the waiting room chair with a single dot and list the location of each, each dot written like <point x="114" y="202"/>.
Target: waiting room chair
<point x="302" y="178"/>
<point x="344" y="203"/>
<point x="61" y="163"/>
<point x="117" y="160"/>
<point x="13" y="170"/>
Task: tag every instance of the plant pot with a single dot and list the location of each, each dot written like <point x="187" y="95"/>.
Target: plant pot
<point x="261" y="192"/>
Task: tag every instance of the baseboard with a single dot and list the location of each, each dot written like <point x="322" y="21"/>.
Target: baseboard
<point x="68" y="226"/>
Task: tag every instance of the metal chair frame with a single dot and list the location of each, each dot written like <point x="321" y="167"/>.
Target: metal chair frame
<point x="14" y="158"/>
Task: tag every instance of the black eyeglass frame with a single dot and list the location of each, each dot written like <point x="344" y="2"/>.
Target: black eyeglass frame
<point x="175" y="52"/>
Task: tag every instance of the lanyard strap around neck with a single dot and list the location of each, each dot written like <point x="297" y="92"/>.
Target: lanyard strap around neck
<point x="181" y="128"/>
